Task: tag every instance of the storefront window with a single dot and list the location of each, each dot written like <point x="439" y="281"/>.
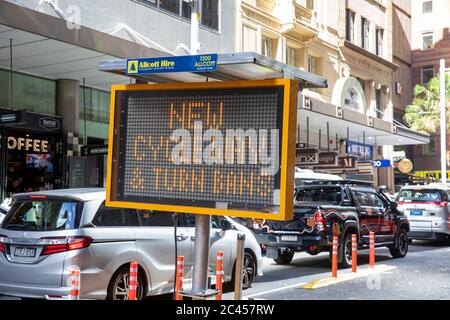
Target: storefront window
<point x="33" y="162"/>
<point x="94" y="105"/>
<point x="29" y="92"/>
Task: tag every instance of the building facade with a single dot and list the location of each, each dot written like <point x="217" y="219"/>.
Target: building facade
<point x="351" y="44"/>
<point x="50" y="52"/>
<point x="430" y="43"/>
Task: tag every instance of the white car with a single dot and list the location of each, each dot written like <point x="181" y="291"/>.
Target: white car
<point x="46" y="232"/>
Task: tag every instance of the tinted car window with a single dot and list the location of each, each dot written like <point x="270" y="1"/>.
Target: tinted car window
<point x="422" y="195"/>
<point x="115" y="217"/>
<point x="331" y="195"/>
<point x="44" y="215"/>
<point x="151" y="218"/>
<point x="190" y="221"/>
<point x="369" y="199"/>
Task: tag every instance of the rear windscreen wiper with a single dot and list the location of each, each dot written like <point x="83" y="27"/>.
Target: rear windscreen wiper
<point x="16" y="226"/>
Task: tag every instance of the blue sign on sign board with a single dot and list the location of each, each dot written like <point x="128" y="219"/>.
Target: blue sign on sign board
<point x="198" y="63"/>
<point x="381" y="163"/>
<point x="360" y="150"/>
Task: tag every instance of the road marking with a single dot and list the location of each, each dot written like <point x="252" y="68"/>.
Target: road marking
<point x="325" y="282"/>
<point x="273" y="290"/>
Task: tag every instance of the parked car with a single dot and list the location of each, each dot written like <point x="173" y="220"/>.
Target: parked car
<point x="427" y="209"/>
<point x="46" y="233"/>
<point x="338" y="208"/>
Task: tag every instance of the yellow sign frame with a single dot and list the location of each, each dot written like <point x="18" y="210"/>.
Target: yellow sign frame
<point x="288" y="151"/>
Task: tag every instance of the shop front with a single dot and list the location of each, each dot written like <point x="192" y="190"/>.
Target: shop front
<point x="31" y="154"/>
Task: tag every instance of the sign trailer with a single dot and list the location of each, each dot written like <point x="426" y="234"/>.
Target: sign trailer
<point x="216" y="148"/>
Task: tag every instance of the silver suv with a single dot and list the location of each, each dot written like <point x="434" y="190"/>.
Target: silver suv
<point x="45" y="234"/>
<point x="427" y="209"/>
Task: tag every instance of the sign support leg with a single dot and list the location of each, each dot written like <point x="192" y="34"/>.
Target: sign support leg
<point x="201" y="254"/>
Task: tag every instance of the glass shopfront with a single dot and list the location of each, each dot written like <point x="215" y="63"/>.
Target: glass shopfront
<point x="32" y="158"/>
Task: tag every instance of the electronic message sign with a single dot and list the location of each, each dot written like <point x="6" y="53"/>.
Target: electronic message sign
<point x="219" y="148"/>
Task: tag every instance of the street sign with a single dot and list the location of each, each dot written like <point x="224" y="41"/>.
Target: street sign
<point x="221" y="148"/>
<point x="94" y="150"/>
<point x="195" y="63"/>
<point x="381" y="163"/>
<point x="360" y="150"/>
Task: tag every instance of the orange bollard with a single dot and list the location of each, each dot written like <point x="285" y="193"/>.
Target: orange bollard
<point x="132" y="285"/>
<point x="179" y="278"/>
<point x="354" y="253"/>
<point x="75" y="289"/>
<point x="219" y="274"/>
<point x="372" y="250"/>
<point x="334" y="258"/>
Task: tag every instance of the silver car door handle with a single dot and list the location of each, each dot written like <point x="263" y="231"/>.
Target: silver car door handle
<point x="182" y="237"/>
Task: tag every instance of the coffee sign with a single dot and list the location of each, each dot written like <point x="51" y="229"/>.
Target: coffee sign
<point x="28" y="144"/>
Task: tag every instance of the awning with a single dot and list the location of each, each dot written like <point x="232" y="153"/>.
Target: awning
<point x="361" y="128"/>
<point x="233" y="66"/>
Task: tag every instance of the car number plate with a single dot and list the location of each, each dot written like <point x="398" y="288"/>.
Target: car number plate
<point x="416" y="213"/>
<point x="25" y="252"/>
<point x="288" y="238"/>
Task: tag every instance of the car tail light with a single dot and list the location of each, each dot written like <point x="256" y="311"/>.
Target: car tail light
<point x="57" y="245"/>
<point x="318" y="217"/>
<point x="38" y="197"/>
<point x="443" y="204"/>
<point x="2" y="244"/>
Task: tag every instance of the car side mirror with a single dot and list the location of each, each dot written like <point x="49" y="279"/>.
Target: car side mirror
<point x="226" y="225"/>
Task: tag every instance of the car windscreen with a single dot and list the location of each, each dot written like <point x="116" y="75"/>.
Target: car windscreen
<point x="421" y="195"/>
<point x="44" y="215"/>
<point x="322" y="195"/>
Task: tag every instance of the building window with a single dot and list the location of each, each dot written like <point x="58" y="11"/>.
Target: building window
<point x="209" y="10"/>
<point x="350" y="26"/>
<point x="94" y="105"/>
<point x="364" y="33"/>
<point x="291" y="56"/>
<point x="313" y="64"/>
<point x="427" y="74"/>
<point x="427" y="40"/>
<point x="170" y="5"/>
<point x="427" y="7"/>
<point x="210" y="14"/>
<point x="267" y="47"/>
<point x="378" y="104"/>
<point x="430" y="149"/>
<point x="310" y="4"/>
<point x="379" y="41"/>
<point x="29" y="92"/>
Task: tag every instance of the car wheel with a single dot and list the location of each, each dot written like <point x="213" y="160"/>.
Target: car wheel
<point x="284" y="257"/>
<point x="119" y="284"/>
<point x="345" y="251"/>
<point x="248" y="273"/>
<point x="401" y="245"/>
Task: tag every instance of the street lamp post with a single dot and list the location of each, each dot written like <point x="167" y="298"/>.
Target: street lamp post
<point x="443" y="107"/>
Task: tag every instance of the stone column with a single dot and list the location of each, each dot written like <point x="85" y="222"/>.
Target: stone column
<point x="68" y="104"/>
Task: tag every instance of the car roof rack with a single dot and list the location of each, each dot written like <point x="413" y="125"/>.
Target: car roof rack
<point x="338" y="182"/>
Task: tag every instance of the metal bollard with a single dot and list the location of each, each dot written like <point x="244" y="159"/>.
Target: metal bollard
<point x="132" y="285"/>
<point x="354" y="253"/>
<point x="219" y="275"/>
<point x="75" y="288"/>
<point x="239" y="266"/>
<point x="372" y="250"/>
<point x="334" y="258"/>
<point x="179" y="278"/>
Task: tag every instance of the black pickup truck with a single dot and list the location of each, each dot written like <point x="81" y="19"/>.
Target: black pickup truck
<point x="329" y="208"/>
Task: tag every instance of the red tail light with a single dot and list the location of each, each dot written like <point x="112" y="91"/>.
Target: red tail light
<point x="318" y="217"/>
<point x="2" y="244"/>
<point x="57" y="245"/>
<point x="38" y="197"/>
<point x="443" y="204"/>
